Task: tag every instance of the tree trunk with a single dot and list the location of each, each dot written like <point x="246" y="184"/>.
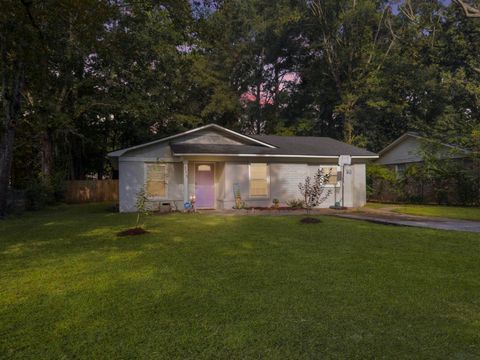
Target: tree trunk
<point x="11" y="91"/>
<point x="6" y="157"/>
<point x="47" y="154"/>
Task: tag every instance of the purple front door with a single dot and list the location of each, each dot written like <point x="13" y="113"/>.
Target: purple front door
<point x="204" y="186"/>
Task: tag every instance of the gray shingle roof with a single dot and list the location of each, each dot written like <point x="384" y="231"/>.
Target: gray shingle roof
<point x="312" y="145"/>
<point x="285" y="145"/>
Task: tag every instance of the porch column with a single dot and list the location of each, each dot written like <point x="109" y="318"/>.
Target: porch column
<point x="185" y="181"/>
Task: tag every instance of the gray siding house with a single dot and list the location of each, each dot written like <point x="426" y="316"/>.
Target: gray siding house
<point x="212" y="165"/>
<point x="406" y="150"/>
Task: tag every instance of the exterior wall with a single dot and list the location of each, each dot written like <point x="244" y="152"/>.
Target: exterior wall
<point x="405" y="152"/>
<point x="132" y="179"/>
<point x="208" y="137"/>
<point x="220" y="184"/>
<point x="284" y="180"/>
<point x="359" y="185"/>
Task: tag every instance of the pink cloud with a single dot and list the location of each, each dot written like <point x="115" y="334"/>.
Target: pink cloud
<point x="266" y="95"/>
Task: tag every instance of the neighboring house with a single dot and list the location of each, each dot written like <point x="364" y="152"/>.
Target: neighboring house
<point x="407" y="148"/>
<point x="213" y="164"/>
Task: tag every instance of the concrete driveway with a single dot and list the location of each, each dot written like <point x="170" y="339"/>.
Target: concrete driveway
<point x="390" y="218"/>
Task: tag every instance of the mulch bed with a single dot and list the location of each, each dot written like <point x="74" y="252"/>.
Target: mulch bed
<point x="271" y="208"/>
<point x="132" y="232"/>
<point x="310" y="220"/>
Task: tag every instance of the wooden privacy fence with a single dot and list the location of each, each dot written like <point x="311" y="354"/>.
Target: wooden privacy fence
<point x="83" y="191"/>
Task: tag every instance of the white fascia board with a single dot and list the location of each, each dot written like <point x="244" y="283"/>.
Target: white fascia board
<point x="277" y="155"/>
<point x="365" y="157"/>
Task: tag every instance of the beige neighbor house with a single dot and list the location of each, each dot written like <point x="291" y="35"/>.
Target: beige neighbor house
<point x="213" y="165"/>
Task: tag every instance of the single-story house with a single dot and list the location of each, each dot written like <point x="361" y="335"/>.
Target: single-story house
<point x="215" y="165"/>
<point x="407" y="150"/>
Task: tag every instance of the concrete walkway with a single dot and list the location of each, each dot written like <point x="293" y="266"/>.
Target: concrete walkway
<point x="415" y="221"/>
<point x="380" y="216"/>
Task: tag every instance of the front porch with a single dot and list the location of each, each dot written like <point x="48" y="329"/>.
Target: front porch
<point x="203" y="184"/>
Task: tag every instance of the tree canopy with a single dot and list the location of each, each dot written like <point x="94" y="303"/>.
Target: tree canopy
<point x="83" y="77"/>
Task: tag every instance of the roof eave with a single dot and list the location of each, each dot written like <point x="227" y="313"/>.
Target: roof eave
<point x="277" y="155"/>
<point x="398" y="141"/>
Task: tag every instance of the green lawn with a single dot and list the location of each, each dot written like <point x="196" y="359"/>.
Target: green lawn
<point x="452" y="212"/>
<point x="202" y="287"/>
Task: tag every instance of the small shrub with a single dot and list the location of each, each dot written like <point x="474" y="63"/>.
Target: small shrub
<point x="115" y="208"/>
<point x="141" y="205"/>
<point x="239" y="205"/>
<point x="296" y="203"/>
<point x="59" y="186"/>
<point x="380" y="180"/>
<point x="314" y="193"/>
<point x="38" y="194"/>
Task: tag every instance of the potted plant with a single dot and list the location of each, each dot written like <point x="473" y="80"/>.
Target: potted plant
<point x="276" y="203"/>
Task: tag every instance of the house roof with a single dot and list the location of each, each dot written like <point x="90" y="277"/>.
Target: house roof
<point x="284" y="146"/>
<point x="398" y="141"/>
<point x="312" y="145"/>
<point x="259" y="145"/>
<point x="417" y="136"/>
<point x="120" y="152"/>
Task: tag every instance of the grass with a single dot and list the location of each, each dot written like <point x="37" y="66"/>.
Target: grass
<point x="451" y="212"/>
<point x="375" y="205"/>
<point x="202" y="287"/>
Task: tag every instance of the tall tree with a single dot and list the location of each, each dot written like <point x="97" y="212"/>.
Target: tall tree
<point x="16" y="32"/>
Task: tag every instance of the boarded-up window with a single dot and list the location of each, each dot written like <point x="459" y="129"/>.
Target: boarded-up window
<point x="156" y="180"/>
<point x="332" y="171"/>
<point x="258" y="179"/>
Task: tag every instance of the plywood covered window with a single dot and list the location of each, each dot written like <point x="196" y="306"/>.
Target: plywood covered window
<point x="156" y="180"/>
<point x="332" y="171"/>
<point x="258" y="179"/>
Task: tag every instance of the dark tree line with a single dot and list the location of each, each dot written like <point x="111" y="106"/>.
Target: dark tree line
<point x="83" y="77"/>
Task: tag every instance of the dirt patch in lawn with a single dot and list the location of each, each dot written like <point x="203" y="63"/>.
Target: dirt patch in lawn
<point x="132" y="232"/>
<point x="310" y="220"/>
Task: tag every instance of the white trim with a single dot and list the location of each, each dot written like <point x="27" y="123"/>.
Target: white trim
<point x="277" y="155"/>
<point x="120" y="152"/>
<point x="148" y="159"/>
<point x="186" y="185"/>
<point x="145" y="177"/>
<point x="365" y="157"/>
